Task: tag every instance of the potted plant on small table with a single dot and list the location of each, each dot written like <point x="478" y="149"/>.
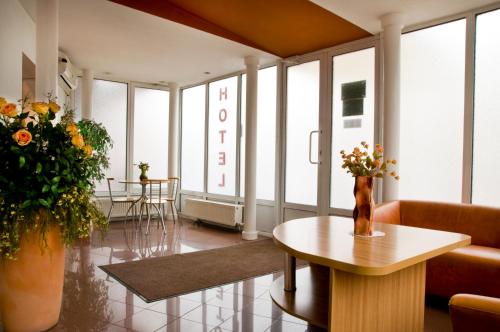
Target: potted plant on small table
<point x="46" y="202"/>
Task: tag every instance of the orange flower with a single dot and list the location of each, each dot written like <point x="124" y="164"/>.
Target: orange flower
<point x="377" y="163"/>
<point x="40" y="108"/>
<point x="2" y="101"/>
<point x="379" y="148"/>
<point x="22" y="137"/>
<point x="397" y="177"/>
<point x="54" y="108"/>
<point x="87" y="149"/>
<point x="8" y="110"/>
<point x="393" y="173"/>
<point x="72" y="129"/>
<point x="78" y="141"/>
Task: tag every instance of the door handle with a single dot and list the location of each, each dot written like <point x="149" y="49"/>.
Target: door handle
<point x="318" y="162"/>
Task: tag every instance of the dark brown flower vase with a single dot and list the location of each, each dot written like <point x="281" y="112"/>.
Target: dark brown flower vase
<point x="363" y="211"/>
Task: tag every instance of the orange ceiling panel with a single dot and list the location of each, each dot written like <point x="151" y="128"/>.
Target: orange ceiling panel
<point x="280" y="27"/>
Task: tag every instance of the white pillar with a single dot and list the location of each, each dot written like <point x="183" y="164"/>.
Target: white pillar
<point x="250" y="225"/>
<point x="87" y="89"/>
<point x="173" y="130"/>
<point x="47" y="44"/>
<point x="173" y="136"/>
<point x="392" y="25"/>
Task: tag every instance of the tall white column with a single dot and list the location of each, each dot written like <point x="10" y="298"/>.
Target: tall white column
<point x="47" y="44"/>
<point x="87" y="89"/>
<point x="173" y="130"/>
<point x="392" y="25"/>
<point x="250" y="225"/>
<point x="173" y="136"/>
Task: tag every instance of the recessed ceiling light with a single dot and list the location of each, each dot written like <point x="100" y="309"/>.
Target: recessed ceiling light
<point x="207" y="73"/>
<point x="107" y="73"/>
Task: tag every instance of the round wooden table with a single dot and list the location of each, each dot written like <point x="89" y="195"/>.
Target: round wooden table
<point x="357" y="283"/>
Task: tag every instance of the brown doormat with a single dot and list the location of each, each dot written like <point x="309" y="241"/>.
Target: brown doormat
<point x="162" y="277"/>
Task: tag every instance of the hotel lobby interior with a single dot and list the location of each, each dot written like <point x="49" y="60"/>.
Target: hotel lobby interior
<point x="267" y="165"/>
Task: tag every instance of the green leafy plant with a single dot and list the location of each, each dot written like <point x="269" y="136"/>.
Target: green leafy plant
<point x="96" y="135"/>
<point x="47" y="176"/>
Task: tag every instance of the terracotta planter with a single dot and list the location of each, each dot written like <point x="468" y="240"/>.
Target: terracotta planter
<point x="31" y="286"/>
<point x="363" y="211"/>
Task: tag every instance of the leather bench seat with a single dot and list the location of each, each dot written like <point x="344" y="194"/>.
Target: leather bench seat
<point x="472" y="269"/>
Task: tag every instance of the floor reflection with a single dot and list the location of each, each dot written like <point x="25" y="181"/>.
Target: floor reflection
<point x="94" y="301"/>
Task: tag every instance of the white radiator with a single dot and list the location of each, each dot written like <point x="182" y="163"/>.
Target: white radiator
<point x="221" y="213"/>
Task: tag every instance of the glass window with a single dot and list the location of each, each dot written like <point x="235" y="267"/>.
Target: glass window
<point x="222" y="119"/>
<point x="486" y="177"/>
<point x="193" y="138"/>
<point x="266" y="133"/>
<point x="302" y="121"/>
<point x="352" y="118"/>
<point x="109" y="107"/>
<point x="432" y="112"/>
<point x="151" y="108"/>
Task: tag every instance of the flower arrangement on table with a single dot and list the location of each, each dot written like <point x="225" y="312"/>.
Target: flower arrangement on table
<point x="144" y="167"/>
<point x="47" y="175"/>
<point x="362" y="163"/>
<point x="365" y="166"/>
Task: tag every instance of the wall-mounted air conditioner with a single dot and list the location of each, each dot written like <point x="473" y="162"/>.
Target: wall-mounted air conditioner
<point x="67" y="72"/>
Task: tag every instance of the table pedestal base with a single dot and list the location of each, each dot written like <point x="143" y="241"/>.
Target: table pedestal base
<point x="345" y="301"/>
<point x="392" y="302"/>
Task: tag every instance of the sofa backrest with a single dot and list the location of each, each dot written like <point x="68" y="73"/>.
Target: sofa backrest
<point x="480" y="222"/>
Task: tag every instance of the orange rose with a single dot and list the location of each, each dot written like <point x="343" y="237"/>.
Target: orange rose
<point x="2" y="101"/>
<point x="77" y="141"/>
<point x="40" y="108"/>
<point x="87" y="149"/>
<point x="54" y="108"/>
<point x="22" y="137"/>
<point x="9" y="110"/>
<point x="72" y="129"/>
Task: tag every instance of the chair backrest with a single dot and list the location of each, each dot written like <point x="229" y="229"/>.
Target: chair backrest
<point x="173" y="187"/>
<point x="109" y="188"/>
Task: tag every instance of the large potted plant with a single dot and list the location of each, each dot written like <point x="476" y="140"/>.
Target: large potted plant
<point x="46" y="202"/>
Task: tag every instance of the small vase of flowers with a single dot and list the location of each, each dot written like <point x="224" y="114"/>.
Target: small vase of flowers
<point x="144" y="167"/>
<point x="364" y="166"/>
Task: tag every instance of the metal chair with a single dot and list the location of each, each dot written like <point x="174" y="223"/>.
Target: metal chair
<point x="119" y="200"/>
<point x="154" y="200"/>
<point x="171" y="199"/>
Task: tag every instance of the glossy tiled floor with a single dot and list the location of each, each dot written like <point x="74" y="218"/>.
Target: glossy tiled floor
<point x="93" y="301"/>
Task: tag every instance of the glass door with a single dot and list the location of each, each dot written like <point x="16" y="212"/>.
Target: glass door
<point x="302" y="139"/>
<point x="353" y="119"/>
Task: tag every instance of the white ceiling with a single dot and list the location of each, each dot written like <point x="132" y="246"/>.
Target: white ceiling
<point x="132" y="45"/>
<point x="366" y="13"/>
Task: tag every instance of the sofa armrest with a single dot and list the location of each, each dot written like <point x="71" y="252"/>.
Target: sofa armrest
<point x="387" y="213"/>
<point x="474" y="313"/>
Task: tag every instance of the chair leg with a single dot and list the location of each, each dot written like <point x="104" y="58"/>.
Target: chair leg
<point x="148" y="210"/>
<point x="174" y="210"/>
<point x="109" y="213"/>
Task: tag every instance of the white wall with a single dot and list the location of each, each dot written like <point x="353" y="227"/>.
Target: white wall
<point x="17" y="36"/>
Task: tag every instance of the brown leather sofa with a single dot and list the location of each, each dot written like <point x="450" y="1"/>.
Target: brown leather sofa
<point x="474" y="269"/>
<point x="474" y="313"/>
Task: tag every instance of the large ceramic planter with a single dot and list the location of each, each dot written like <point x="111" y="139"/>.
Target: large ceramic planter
<point x="31" y="286"/>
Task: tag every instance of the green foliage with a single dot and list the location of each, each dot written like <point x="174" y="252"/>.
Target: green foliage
<point x="96" y="135"/>
<point x="47" y="177"/>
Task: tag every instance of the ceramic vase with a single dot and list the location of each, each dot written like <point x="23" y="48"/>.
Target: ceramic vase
<point x="363" y="211"/>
